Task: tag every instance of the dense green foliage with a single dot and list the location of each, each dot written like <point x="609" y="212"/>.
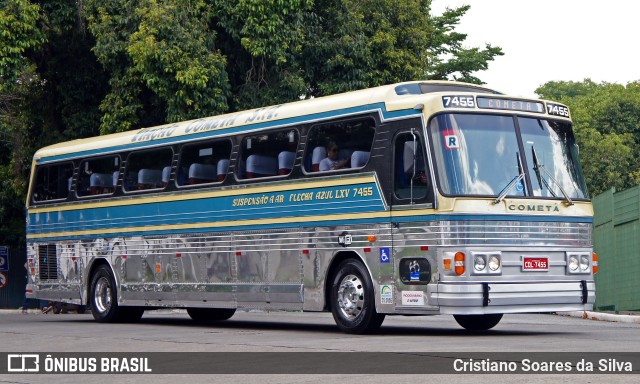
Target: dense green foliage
<point x="78" y="68"/>
<point x="607" y="127"/>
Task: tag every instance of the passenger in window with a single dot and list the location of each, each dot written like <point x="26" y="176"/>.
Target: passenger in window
<point x="332" y="162"/>
<point x="420" y="178"/>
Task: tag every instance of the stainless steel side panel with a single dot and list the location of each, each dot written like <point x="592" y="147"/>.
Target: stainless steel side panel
<point x="288" y="268"/>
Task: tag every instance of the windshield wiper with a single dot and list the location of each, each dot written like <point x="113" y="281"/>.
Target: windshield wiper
<point x="541" y="181"/>
<point x="513" y="182"/>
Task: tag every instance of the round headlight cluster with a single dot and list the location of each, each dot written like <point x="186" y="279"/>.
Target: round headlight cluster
<point x="584" y="263"/>
<point x="494" y="263"/>
<point x="579" y="264"/>
<point x="479" y="263"/>
<point x="573" y="263"/>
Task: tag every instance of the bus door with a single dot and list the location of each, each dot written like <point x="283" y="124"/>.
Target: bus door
<point x="411" y="229"/>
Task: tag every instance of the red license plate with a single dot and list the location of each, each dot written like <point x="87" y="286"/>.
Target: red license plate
<point x="535" y="264"/>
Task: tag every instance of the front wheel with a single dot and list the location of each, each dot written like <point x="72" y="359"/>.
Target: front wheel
<point x="478" y="322"/>
<point x="353" y="299"/>
<point x="103" y="299"/>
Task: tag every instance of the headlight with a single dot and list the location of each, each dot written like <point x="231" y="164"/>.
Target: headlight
<point x="479" y="263"/>
<point x="494" y="263"/>
<point x="573" y="263"/>
<point x="584" y="263"/>
<point x="579" y="263"/>
<point x="486" y="263"/>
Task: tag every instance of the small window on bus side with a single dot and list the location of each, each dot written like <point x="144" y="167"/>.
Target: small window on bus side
<point x="53" y="182"/>
<point x="339" y="145"/>
<point x="268" y="154"/>
<point x="412" y="178"/>
<point x="98" y="176"/>
<point x="204" y="163"/>
<point x="148" y="170"/>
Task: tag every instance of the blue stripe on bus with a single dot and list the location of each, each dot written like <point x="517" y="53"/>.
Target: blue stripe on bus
<point x="238" y="129"/>
<point x="270" y="205"/>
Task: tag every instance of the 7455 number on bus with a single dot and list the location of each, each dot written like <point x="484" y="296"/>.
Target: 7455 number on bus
<point x="557" y="110"/>
<point x="458" y="102"/>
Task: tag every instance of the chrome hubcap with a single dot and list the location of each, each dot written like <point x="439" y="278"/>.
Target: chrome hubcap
<point x="351" y="296"/>
<point x="103" y="295"/>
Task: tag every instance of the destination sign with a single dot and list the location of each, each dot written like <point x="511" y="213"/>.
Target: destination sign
<point x="510" y="104"/>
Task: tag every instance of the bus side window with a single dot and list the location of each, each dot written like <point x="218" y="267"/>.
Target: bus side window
<point x="267" y="155"/>
<point x="98" y="176"/>
<point x="52" y="182"/>
<point x="339" y="145"/>
<point x="411" y="178"/>
<point x="203" y="162"/>
<point x="144" y="169"/>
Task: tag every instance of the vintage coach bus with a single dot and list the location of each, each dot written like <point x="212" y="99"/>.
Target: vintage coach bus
<point x="416" y="198"/>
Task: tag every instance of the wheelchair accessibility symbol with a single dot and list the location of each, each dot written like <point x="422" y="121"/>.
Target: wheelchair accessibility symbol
<point x="384" y="255"/>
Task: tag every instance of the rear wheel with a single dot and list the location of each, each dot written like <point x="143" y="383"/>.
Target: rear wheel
<point x="204" y="315"/>
<point x="353" y="299"/>
<point x="103" y="299"/>
<point x="478" y="322"/>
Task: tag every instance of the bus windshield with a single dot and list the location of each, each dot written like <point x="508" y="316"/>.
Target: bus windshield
<point x="481" y="155"/>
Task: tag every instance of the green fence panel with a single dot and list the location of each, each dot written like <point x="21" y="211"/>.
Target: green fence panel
<point x="616" y="237"/>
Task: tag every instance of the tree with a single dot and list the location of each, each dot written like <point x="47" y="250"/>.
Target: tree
<point x="78" y="68"/>
<point x="163" y="61"/>
<point x="19" y="34"/>
<point x="19" y="25"/>
<point x="607" y="127"/>
<point x="172" y="61"/>
<point x="263" y="42"/>
<point x="50" y="89"/>
<point x="355" y="44"/>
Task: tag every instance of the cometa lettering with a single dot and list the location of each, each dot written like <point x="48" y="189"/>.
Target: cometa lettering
<point x="533" y="208"/>
<point x="204" y="125"/>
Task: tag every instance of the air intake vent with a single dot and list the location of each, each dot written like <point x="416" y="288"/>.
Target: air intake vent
<point x="48" y="262"/>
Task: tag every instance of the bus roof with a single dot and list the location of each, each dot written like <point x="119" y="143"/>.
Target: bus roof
<point x="393" y="97"/>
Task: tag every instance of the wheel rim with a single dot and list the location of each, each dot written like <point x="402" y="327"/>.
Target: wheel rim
<point x="351" y="296"/>
<point x="103" y="295"/>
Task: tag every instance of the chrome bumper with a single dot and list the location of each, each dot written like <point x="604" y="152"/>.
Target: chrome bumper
<point x="482" y="298"/>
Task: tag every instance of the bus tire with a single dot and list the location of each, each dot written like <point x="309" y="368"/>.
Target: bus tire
<point x="478" y="322"/>
<point x="353" y="299"/>
<point x="103" y="299"/>
<point x="205" y="315"/>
